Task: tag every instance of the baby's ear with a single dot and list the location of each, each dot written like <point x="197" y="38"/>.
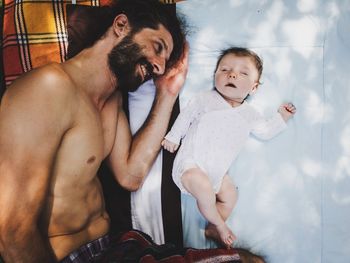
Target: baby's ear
<point x="254" y="88"/>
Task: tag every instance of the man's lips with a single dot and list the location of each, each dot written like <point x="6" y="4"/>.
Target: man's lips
<point x="146" y="70"/>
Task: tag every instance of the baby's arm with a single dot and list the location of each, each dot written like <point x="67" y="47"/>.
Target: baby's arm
<point x="266" y="129"/>
<point x="169" y="146"/>
<point x="171" y="141"/>
<point x="287" y="110"/>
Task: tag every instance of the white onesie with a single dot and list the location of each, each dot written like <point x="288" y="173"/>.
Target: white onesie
<point x="213" y="132"/>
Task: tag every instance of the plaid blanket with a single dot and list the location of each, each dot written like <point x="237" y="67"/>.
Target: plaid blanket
<point x="34" y="33"/>
<point x="135" y="246"/>
<point x="89" y="251"/>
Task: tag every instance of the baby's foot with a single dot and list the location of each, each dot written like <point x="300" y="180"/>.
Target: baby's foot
<point x="221" y="234"/>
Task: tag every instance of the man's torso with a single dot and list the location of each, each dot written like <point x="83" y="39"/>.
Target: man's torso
<point x="74" y="212"/>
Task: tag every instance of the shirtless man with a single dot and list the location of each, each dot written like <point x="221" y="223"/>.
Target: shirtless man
<point x="58" y="122"/>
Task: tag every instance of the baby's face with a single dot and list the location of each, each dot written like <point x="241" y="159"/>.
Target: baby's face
<point x="236" y="77"/>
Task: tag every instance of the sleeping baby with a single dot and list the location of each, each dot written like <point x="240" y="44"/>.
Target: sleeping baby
<point x="212" y="129"/>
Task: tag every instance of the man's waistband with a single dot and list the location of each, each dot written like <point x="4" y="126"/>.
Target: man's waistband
<point x="88" y="251"/>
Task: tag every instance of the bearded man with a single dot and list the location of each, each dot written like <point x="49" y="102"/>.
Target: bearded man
<point x="58" y="122"/>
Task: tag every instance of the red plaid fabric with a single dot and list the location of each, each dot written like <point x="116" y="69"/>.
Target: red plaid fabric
<point x="34" y="33"/>
<point x="171" y="1"/>
<point x="136" y="246"/>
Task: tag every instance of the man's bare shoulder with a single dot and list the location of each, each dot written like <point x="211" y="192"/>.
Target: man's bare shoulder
<point x="50" y="79"/>
<point x="44" y="92"/>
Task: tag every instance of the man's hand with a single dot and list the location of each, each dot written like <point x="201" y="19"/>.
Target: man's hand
<point x="172" y="81"/>
<point x="287" y="110"/>
<point x="169" y="146"/>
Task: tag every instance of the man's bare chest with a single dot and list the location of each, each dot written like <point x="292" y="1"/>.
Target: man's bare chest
<point x="87" y="143"/>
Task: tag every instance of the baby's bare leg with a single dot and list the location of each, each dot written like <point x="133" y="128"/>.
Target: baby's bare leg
<point x="226" y="198"/>
<point x="197" y="183"/>
<point x="225" y="202"/>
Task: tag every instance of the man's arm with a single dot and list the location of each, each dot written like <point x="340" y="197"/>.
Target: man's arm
<point x="32" y="123"/>
<point x="132" y="158"/>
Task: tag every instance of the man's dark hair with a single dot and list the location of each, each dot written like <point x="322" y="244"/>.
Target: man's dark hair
<point x="141" y="14"/>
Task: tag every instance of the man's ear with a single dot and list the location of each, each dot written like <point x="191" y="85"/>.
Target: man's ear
<point x="121" y="25"/>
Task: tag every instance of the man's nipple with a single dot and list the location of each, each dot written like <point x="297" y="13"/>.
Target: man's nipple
<point x="91" y="159"/>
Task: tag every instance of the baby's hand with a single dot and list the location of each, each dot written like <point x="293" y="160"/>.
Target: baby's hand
<point x="169" y="146"/>
<point x="287" y="110"/>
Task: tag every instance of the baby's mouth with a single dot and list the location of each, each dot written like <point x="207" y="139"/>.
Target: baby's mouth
<point x="231" y="85"/>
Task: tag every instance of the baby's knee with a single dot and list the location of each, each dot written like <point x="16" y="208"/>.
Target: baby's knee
<point x="195" y="178"/>
<point x="230" y="197"/>
<point x="190" y="176"/>
<point x="233" y="194"/>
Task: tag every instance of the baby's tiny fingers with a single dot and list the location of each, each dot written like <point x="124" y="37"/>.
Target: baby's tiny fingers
<point x="291" y="105"/>
<point x="168" y="147"/>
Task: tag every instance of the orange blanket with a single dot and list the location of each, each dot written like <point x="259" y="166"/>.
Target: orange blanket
<point x="34" y="33"/>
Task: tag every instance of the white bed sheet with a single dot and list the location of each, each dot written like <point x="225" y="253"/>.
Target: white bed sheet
<point x="294" y="191"/>
<point x="146" y="206"/>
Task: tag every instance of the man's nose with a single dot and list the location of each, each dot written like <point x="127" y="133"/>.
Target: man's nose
<point x="158" y="66"/>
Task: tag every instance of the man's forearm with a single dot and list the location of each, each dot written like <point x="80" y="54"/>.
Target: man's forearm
<point x="147" y="141"/>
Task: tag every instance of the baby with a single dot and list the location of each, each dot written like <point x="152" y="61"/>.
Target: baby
<point x="213" y="128"/>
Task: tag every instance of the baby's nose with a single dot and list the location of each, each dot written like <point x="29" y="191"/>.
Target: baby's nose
<point x="232" y="75"/>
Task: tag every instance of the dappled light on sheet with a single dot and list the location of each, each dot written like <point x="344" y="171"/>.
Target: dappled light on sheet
<point x="293" y="191"/>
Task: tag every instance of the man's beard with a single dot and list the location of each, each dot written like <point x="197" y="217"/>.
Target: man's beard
<point x="123" y="60"/>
